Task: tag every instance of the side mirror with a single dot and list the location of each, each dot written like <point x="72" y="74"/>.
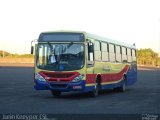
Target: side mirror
<point x="32" y="49"/>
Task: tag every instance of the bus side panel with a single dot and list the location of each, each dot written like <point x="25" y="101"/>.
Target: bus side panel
<point x="111" y="85"/>
<point x="109" y="79"/>
<point x="115" y="76"/>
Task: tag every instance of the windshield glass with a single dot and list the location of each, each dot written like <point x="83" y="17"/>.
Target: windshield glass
<point x="60" y="57"/>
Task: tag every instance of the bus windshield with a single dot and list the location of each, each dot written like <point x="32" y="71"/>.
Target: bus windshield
<point x="60" y="56"/>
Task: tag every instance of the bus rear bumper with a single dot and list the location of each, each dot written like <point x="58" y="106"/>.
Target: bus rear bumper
<point x="60" y="86"/>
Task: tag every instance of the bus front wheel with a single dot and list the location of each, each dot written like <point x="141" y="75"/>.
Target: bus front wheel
<point x="56" y="93"/>
<point x="96" y="90"/>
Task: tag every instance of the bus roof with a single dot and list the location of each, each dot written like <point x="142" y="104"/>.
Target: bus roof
<point x="64" y="31"/>
<point x="95" y="37"/>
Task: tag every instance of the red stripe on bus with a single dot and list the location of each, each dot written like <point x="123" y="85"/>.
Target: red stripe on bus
<point x="90" y="78"/>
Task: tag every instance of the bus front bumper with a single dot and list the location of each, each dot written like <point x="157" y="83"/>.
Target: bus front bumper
<point x="60" y="86"/>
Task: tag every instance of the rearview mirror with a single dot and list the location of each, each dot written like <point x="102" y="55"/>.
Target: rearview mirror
<point x="32" y="49"/>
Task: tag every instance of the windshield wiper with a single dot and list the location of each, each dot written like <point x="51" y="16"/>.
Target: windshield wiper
<point x="70" y="44"/>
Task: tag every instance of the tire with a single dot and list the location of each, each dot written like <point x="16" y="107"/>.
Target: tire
<point x="122" y="88"/>
<point x="56" y="93"/>
<point x="96" y="90"/>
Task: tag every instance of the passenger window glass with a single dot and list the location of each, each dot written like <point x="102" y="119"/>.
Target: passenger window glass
<point x="134" y="55"/>
<point x="97" y="46"/>
<point x="118" y="54"/>
<point x="104" y="47"/>
<point x="124" y="54"/>
<point x="111" y="53"/>
<point x="104" y="51"/>
<point x="111" y="48"/>
<point x="129" y="55"/>
<point x="97" y="51"/>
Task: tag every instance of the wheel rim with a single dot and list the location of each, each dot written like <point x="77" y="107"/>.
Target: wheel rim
<point x="96" y="89"/>
<point x="124" y="86"/>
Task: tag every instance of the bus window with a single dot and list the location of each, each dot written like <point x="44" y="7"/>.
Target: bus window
<point x="97" y="51"/>
<point x="111" y="52"/>
<point x="104" y="51"/>
<point x="90" y="51"/>
<point x="134" y="55"/>
<point x="118" y="54"/>
<point x="124" y="54"/>
<point x="42" y="55"/>
<point x="129" y="55"/>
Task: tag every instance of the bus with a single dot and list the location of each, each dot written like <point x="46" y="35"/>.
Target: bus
<point x="79" y="61"/>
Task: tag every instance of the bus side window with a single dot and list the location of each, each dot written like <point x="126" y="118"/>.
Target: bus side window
<point x="97" y="49"/>
<point x="124" y="54"/>
<point x="129" y="55"/>
<point x="118" y="53"/>
<point x="42" y="58"/>
<point x="134" y="55"/>
<point x="90" y="54"/>
<point x="104" y="51"/>
<point x="112" y="52"/>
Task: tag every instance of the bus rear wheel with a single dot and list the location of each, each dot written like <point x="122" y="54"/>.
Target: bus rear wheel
<point x="122" y="88"/>
<point x="56" y="93"/>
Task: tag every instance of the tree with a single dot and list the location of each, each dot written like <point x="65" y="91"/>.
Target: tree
<point x="147" y="57"/>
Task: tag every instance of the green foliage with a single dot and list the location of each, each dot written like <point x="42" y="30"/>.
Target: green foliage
<point x="3" y="53"/>
<point x="148" y="57"/>
<point x="8" y="55"/>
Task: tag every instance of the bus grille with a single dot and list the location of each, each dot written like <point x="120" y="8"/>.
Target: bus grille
<point x="59" y="76"/>
<point x="58" y="80"/>
<point x="58" y="85"/>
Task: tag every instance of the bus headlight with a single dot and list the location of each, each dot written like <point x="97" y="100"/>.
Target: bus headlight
<point x="39" y="77"/>
<point x="78" y="78"/>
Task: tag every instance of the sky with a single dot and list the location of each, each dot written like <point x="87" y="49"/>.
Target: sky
<point x="129" y="21"/>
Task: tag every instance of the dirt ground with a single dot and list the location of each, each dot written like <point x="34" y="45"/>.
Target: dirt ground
<point x="18" y="64"/>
